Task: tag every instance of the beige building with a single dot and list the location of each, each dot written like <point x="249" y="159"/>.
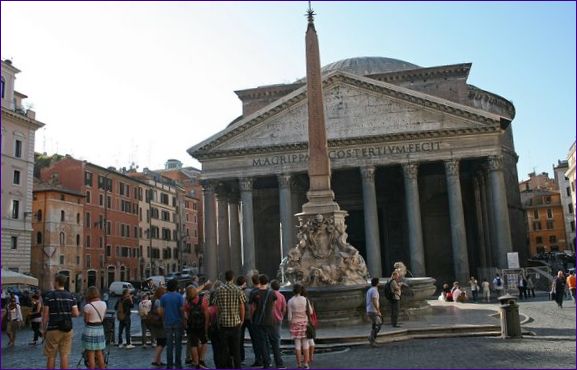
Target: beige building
<point x="18" y="130"/>
<point x="566" y="201"/>
<point x="158" y="221"/>
<point x="570" y="174"/>
<point x="57" y="245"/>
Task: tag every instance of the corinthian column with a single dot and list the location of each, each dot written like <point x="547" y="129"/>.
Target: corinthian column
<point x="223" y="241"/>
<point x="371" y="221"/>
<point x="235" y="243"/>
<point x="458" y="235"/>
<point x="209" y="258"/>
<point x="247" y="224"/>
<point x="286" y="215"/>
<point x="412" y="201"/>
<point x="500" y="210"/>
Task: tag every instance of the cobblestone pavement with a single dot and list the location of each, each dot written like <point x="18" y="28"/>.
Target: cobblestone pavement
<point x="553" y="346"/>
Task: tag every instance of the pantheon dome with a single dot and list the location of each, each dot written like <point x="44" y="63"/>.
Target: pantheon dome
<point x="369" y="65"/>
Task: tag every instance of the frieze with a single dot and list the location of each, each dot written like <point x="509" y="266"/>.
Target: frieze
<point x="351" y="153"/>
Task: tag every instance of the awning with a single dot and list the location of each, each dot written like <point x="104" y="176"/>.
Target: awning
<point x="11" y="277"/>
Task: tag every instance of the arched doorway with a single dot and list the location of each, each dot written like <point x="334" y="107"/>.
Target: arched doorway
<point x="91" y="278"/>
<point x="111" y="274"/>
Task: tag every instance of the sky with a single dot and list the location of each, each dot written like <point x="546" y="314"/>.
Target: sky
<point x="118" y="83"/>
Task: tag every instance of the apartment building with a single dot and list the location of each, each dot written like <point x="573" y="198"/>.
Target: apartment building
<point x="19" y="126"/>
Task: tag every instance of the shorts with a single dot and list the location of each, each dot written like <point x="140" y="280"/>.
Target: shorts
<point x="56" y="341"/>
<point x="196" y="336"/>
<point x="161" y="342"/>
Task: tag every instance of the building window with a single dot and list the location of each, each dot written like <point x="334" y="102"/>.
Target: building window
<point x="13" y="242"/>
<point x="18" y="148"/>
<point x="101" y="199"/>
<point x="554" y="248"/>
<point x="62" y="238"/>
<point x="549" y="213"/>
<point x="62" y="197"/>
<point x="39" y="238"/>
<point x="552" y="239"/>
<point x="536" y="225"/>
<point x="62" y="218"/>
<point x="88" y="200"/>
<point x="15" y="209"/>
<point x="573" y="225"/>
<point x="16" y="178"/>
<point x="78" y="240"/>
<point x="547" y="200"/>
<point x="88" y="241"/>
<point x="570" y="206"/>
<point x="61" y="260"/>
<point x="536" y="214"/>
<point x="39" y="215"/>
<point x="540" y="249"/>
<point x="78" y="218"/>
<point x="108" y="227"/>
<point x="100" y="242"/>
<point x="108" y="202"/>
<point x="539" y="240"/>
<point x="108" y="251"/>
<point x="2" y="86"/>
<point x="88" y="178"/>
<point x="568" y="191"/>
<point x="550" y="225"/>
<point x="87" y="222"/>
<point x="101" y="258"/>
<point x="165" y="216"/>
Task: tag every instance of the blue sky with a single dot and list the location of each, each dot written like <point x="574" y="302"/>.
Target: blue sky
<point x="156" y="78"/>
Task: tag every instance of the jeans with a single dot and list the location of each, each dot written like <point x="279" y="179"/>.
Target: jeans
<point x="255" y="347"/>
<point x="36" y="328"/>
<point x="376" y="325"/>
<point x="395" y="305"/>
<point x="274" y="338"/>
<point x="144" y="331"/>
<point x="230" y="341"/>
<point x="173" y="344"/>
<point x="124" y="325"/>
<point x="475" y="294"/>
<point x="269" y="339"/>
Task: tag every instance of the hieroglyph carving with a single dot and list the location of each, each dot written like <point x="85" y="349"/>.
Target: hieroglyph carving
<point x="322" y="256"/>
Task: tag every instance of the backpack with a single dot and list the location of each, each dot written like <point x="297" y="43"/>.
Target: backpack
<point x="120" y="314"/>
<point x="195" y="315"/>
<point x="388" y="290"/>
<point x="499" y="282"/>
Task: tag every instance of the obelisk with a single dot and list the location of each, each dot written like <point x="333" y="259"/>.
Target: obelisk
<point x="322" y="256"/>
<point x="320" y="194"/>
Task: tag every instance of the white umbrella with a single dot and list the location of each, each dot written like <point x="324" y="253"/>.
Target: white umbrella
<point x="11" y="277"/>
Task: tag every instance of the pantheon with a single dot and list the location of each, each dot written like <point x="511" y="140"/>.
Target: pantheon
<point x="421" y="160"/>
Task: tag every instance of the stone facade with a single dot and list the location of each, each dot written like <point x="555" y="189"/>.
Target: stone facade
<point x="438" y="152"/>
<point x="18" y="132"/>
<point x="58" y="237"/>
<point x="565" y="193"/>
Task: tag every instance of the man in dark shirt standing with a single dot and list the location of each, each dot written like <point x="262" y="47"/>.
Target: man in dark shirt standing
<point x="230" y="302"/>
<point x="59" y="309"/>
<point x="263" y="320"/>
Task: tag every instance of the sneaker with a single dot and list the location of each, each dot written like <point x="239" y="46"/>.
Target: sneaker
<point x="120" y="345"/>
<point x="306" y="366"/>
<point x="202" y="365"/>
<point x="129" y="346"/>
<point x="281" y="367"/>
<point x="33" y="343"/>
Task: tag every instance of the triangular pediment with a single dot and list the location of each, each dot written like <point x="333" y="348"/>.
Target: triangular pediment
<point x="355" y="107"/>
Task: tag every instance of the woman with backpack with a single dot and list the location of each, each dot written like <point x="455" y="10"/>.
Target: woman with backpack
<point x="197" y="322"/>
<point x="36" y="318"/>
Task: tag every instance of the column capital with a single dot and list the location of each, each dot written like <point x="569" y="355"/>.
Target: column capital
<point x="368" y="173"/>
<point x="495" y="162"/>
<point x="284" y="180"/>
<point x="452" y="167"/>
<point x="246" y="183"/>
<point x="411" y="170"/>
<point x="222" y="192"/>
<point x="208" y="186"/>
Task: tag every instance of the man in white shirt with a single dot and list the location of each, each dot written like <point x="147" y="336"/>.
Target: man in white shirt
<point x="373" y="310"/>
<point x="143" y="309"/>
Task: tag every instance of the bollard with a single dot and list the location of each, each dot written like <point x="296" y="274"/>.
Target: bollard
<point x="510" y="321"/>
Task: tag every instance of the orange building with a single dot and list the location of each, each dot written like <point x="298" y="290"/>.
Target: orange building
<point x="110" y="219"/>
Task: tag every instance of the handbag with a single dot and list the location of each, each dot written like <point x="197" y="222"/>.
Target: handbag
<point x="312" y="322"/>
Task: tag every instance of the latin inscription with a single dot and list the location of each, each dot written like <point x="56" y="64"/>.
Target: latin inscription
<point x="358" y="153"/>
